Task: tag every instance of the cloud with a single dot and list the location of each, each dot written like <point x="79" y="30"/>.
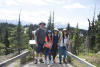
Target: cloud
<point x="23" y="2"/>
<point x="59" y="1"/>
<point x="35" y="16"/>
<point x="26" y="15"/>
<point x="33" y="2"/>
<point x="11" y="3"/>
<point x="8" y="14"/>
<point x="1" y="3"/>
<point x="75" y="5"/>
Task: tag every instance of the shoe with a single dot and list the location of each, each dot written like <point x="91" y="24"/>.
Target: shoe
<point x="60" y="62"/>
<point x="54" y="61"/>
<point x="36" y="61"/>
<point x="64" y="61"/>
<point x="50" y="62"/>
<point x="46" y="62"/>
<point x="41" y="61"/>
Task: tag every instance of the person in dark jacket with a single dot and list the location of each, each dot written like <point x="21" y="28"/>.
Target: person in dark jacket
<point x="40" y="39"/>
<point x="55" y="44"/>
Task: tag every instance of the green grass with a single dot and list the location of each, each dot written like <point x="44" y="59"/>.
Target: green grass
<point x="92" y="58"/>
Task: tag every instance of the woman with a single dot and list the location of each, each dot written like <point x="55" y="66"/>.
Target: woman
<point x="48" y="46"/>
<point x="64" y="41"/>
<point x="55" y="44"/>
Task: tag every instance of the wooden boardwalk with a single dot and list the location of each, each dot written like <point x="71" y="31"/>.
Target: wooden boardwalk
<point x="31" y="64"/>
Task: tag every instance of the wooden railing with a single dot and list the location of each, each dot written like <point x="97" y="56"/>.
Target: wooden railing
<point x="9" y="61"/>
<point x="83" y="62"/>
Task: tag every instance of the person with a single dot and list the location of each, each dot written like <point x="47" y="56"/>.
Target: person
<point x="40" y="39"/>
<point x="55" y="43"/>
<point x="64" y="41"/>
<point x="48" y="46"/>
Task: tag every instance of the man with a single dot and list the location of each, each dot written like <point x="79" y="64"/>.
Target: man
<point x="40" y="39"/>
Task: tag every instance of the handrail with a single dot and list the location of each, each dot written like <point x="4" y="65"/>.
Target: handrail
<point x="83" y="62"/>
<point x="7" y="62"/>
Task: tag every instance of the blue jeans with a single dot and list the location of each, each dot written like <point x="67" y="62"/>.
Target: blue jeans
<point x="62" y="51"/>
<point x="48" y="52"/>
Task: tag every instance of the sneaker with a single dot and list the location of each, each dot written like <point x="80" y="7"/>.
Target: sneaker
<point x="36" y="61"/>
<point x="64" y="61"/>
<point x="54" y="61"/>
<point x="60" y="62"/>
<point x="50" y="62"/>
<point x="46" y="62"/>
<point x="41" y="61"/>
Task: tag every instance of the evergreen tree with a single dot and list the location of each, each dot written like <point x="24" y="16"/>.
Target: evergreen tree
<point x="49" y="25"/>
<point x="32" y="28"/>
<point x="98" y="33"/>
<point x="53" y="21"/>
<point x="19" y="36"/>
<point x="68" y="28"/>
<point x="75" y="45"/>
<point x="6" y="41"/>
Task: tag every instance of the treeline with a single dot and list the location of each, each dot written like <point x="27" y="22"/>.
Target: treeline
<point x="90" y="41"/>
<point x="15" y="38"/>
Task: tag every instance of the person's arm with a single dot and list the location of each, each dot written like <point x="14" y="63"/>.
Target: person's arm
<point x="36" y="38"/>
<point x="68" y="41"/>
<point x="59" y="40"/>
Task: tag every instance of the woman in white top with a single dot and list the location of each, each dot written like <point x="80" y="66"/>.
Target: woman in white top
<point x="64" y="41"/>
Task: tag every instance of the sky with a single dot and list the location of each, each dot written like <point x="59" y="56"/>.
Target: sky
<point x="65" y="11"/>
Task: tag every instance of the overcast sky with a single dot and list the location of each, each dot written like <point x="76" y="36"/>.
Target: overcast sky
<point x="34" y="11"/>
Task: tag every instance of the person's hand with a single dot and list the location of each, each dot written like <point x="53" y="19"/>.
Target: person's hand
<point x="58" y="44"/>
<point x="36" y="45"/>
<point x="64" y="44"/>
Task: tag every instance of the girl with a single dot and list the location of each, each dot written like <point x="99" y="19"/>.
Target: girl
<point x="55" y="44"/>
<point x="64" y="41"/>
<point x="48" y="46"/>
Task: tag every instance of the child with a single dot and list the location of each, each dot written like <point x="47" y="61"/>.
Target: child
<point x="64" y="41"/>
<point x="48" y="46"/>
<point x="55" y="44"/>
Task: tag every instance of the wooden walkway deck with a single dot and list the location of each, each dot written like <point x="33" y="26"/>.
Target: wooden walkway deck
<point x="31" y="64"/>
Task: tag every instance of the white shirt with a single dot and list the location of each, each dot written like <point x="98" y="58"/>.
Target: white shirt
<point x="65" y="41"/>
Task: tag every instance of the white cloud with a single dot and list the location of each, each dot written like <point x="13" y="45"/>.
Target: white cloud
<point x="33" y="2"/>
<point x="28" y="16"/>
<point x="59" y="1"/>
<point x="75" y="5"/>
<point x="35" y="16"/>
<point x="1" y="3"/>
<point x="11" y="3"/>
<point x="8" y="14"/>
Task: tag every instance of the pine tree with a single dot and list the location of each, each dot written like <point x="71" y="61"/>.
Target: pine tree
<point x="53" y="21"/>
<point x="19" y="36"/>
<point x="98" y="33"/>
<point x="49" y="25"/>
<point x="68" y="28"/>
<point x="75" y="45"/>
<point x="6" y="41"/>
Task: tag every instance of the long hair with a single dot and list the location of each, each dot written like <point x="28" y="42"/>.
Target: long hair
<point x="64" y="36"/>
<point x="48" y="37"/>
<point x="57" y="34"/>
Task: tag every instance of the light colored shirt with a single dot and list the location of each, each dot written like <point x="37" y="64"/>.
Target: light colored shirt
<point x="63" y="43"/>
